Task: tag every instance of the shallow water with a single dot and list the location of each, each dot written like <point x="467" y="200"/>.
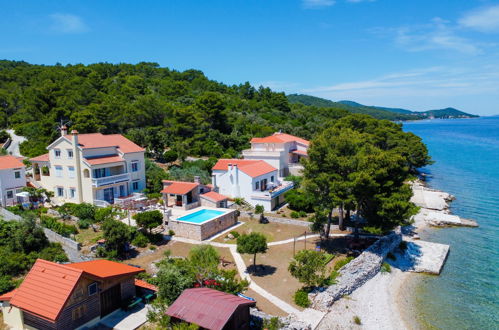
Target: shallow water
<point x="466" y="155"/>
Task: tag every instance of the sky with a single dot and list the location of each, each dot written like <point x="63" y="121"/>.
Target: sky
<point x="414" y="54"/>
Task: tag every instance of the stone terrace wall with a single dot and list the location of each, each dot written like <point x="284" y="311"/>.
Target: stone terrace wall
<point x="9" y="216"/>
<point x="358" y="271"/>
<point x="65" y="242"/>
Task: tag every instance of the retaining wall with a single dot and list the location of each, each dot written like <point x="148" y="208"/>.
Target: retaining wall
<point x="358" y="271"/>
<point x="7" y="215"/>
<point x="65" y="242"/>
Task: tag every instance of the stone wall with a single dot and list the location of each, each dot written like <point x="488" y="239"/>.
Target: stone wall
<point x="205" y="230"/>
<point x="65" y="242"/>
<point x="358" y="271"/>
<point x="9" y="216"/>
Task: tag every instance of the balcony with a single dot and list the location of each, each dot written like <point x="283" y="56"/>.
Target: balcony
<point x="108" y="180"/>
<point x="274" y="192"/>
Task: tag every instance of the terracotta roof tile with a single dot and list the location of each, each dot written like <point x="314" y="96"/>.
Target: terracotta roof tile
<point x="280" y="138"/>
<point x="8" y="295"/>
<point x="253" y="168"/>
<point x="46" y="289"/>
<point x="300" y="152"/>
<point x="104" y="268"/>
<point x="98" y="140"/>
<point x="8" y="162"/>
<point x="208" y="308"/>
<point x="41" y="158"/>
<point x="179" y="188"/>
<point x="214" y="196"/>
<point x="104" y="160"/>
<point x="145" y="285"/>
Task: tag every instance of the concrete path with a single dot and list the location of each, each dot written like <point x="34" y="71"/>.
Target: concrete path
<point x="122" y="320"/>
<point x="13" y="149"/>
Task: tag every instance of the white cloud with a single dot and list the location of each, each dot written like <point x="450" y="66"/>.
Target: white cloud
<point x="314" y="4"/>
<point x="484" y="19"/>
<point x="67" y="24"/>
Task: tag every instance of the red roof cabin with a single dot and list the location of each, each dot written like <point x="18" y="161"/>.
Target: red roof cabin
<point x="211" y="309"/>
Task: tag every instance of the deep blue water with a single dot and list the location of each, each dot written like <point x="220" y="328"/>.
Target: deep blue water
<point x="466" y="155"/>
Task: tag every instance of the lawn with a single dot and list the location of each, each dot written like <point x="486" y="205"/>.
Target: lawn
<point x="88" y="236"/>
<point x="274" y="231"/>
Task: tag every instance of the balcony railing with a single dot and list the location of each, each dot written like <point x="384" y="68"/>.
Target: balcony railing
<point x="271" y="193"/>
<point x="107" y="180"/>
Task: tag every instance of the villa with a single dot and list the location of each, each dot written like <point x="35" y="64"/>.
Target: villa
<point x="69" y="296"/>
<point x="254" y="180"/>
<point x="282" y="151"/>
<point x="92" y="168"/>
<point x="12" y="179"/>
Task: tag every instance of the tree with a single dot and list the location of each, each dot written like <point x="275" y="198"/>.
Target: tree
<point x="204" y="259"/>
<point x="252" y="244"/>
<point x="149" y="219"/>
<point x="117" y="236"/>
<point x="308" y="267"/>
<point x="104" y="213"/>
<point x="172" y="280"/>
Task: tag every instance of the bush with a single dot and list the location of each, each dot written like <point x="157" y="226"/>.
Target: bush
<point x="59" y="227"/>
<point x="84" y="211"/>
<point x="303" y="214"/>
<point x="272" y="324"/>
<point x="386" y="268"/>
<point x="171" y="232"/>
<point x="299" y="201"/>
<point x="259" y="209"/>
<point x="373" y="230"/>
<point x="403" y="245"/>
<point x="83" y="224"/>
<point x="357" y="320"/>
<point x="140" y="240"/>
<point x="169" y="156"/>
<point x="235" y="234"/>
<point x="4" y="136"/>
<point x="301" y="298"/>
<point x="104" y="213"/>
<point x="155" y="195"/>
<point x="295" y="215"/>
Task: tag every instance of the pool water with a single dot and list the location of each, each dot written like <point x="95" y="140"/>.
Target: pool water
<point x="201" y="216"/>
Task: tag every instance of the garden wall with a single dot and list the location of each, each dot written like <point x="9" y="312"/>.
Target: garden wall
<point x="358" y="271"/>
<point x="9" y="216"/>
<point x="65" y="242"/>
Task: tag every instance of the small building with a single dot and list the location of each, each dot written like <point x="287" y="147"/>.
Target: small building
<point x="68" y="296"/>
<point x="254" y="180"/>
<point x="92" y="168"/>
<point x="281" y="150"/>
<point x="214" y="199"/>
<point x="180" y="194"/>
<point x="12" y="179"/>
<point x="212" y="309"/>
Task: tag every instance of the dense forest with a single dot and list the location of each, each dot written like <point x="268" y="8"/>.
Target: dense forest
<point x="156" y="107"/>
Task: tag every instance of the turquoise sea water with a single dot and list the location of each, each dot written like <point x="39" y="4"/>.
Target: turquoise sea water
<point x="466" y="294"/>
<point x="201" y="216"/>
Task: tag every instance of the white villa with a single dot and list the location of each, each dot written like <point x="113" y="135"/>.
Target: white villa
<point x="12" y="179"/>
<point x="254" y="180"/>
<point x="282" y="151"/>
<point x="93" y="168"/>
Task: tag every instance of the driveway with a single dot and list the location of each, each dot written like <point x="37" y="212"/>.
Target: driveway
<point x="13" y="149"/>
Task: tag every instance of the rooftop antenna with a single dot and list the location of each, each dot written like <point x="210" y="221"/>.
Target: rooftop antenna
<point x="62" y="126"/>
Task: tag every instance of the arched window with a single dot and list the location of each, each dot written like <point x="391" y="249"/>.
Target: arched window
<point x="86" y="173"/>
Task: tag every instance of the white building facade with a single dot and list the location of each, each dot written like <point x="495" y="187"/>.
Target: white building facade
<point x="254" y="180"/>
<point x="12" y="179"/>
<point x="283" y="151"/>
<point x="92" y="168"/>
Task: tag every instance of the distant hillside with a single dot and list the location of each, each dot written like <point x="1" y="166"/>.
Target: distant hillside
<point x="379" y="112"/>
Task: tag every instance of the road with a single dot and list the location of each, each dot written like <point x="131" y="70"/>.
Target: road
<point x="13" y="149"/>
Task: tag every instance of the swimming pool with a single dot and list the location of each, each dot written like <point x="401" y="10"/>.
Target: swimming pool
<point x="201" y="216"/>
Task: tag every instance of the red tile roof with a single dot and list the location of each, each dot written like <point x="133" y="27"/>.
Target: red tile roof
<point x="98" y="140"/>
<point x="8" y="295"/>
<point x="253" y="168"/>
<point x="41" y="158"/>
<point x="214" y="196"/>
<point x="46" y="289"/>
<point x="300" y="152"/>
<point x="145" y="285"/>
<point x="8" y="162"/>
<point x="104" y="160"/>
<point x="208" y="308"/>
<point x="280" y="138"/>
<point x="104" y="268"/>
<point x="179" y="187"/>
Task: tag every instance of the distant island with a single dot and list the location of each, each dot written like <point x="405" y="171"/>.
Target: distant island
<point x="379" y="112"/>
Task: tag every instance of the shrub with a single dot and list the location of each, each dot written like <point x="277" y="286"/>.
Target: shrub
<point x="386" y="268"/>
<point x="272" y="324"/>
<point x="152" y="248"/>
<point x="403" y="245"/>
<point x="303" y="214"/>
<point x="103" y="214"/>
<point x="299" y="201"/>
<point x="170" y="156"/>
<point x="155" y="195"/>
<point x="357" y="320"/>
<point x="309" y="267"/>
<point x="301" y="298"/>
<point x="373" y="230"/>
<point x="83" y="224"/>
<point x="4" y="136"/>
<point x="235" y="234"/>
<point x="149" y="219"/>
<point x="295" y="215"/>
<point x="171" y="232"/>
<point x="59" y="227"/>
<point x="259" y="209"/>
<point x="84" y="211"/>
<point x="140" y="240"/>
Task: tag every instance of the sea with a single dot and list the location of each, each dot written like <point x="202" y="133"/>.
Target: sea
<point x="466" y="294"/>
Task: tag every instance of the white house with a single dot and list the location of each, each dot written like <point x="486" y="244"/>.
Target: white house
<point x="93" y="168"/>
<point x="283" y="151"/>
<point x="254" y="180"/>
<point x="12" y="179"/>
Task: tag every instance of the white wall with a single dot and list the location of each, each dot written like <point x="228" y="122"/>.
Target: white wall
<point x="8" y="182"/>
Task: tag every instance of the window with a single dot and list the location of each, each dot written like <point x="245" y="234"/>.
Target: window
<point x="58" y="171"/>
<point x="257" y="185"/>
<point x="17" y="174"/>
<point x="71" y="171"/>
<point x="86" y="173"/>
<point x="272" y="178"/>
<point x="135" y="185"/>
<point x="92" y="289"/>
<point x="99" y="173"/>
<point x="57" y="153"/>
<point x="79" y="312"/>
<point x="60" y="192"/>
<point x="72" y="192"/>
<point x="135" y="166"/>
<point x="10" y="194"/>
<point x="70" y="153"/>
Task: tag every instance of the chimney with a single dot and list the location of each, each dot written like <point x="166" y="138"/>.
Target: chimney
<point x="64" y="130"/>
<point x="76" y="155"/>
<point x="236" y="180"/>
<point x="197" y="179"/>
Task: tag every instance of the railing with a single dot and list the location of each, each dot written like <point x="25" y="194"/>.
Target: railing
<point x="101" y="203"/>
<point x="271" y="193"/>
<point x="110" y="179"/>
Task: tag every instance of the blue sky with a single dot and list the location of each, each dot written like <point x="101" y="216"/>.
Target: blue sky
<point x="416" y="54"/>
